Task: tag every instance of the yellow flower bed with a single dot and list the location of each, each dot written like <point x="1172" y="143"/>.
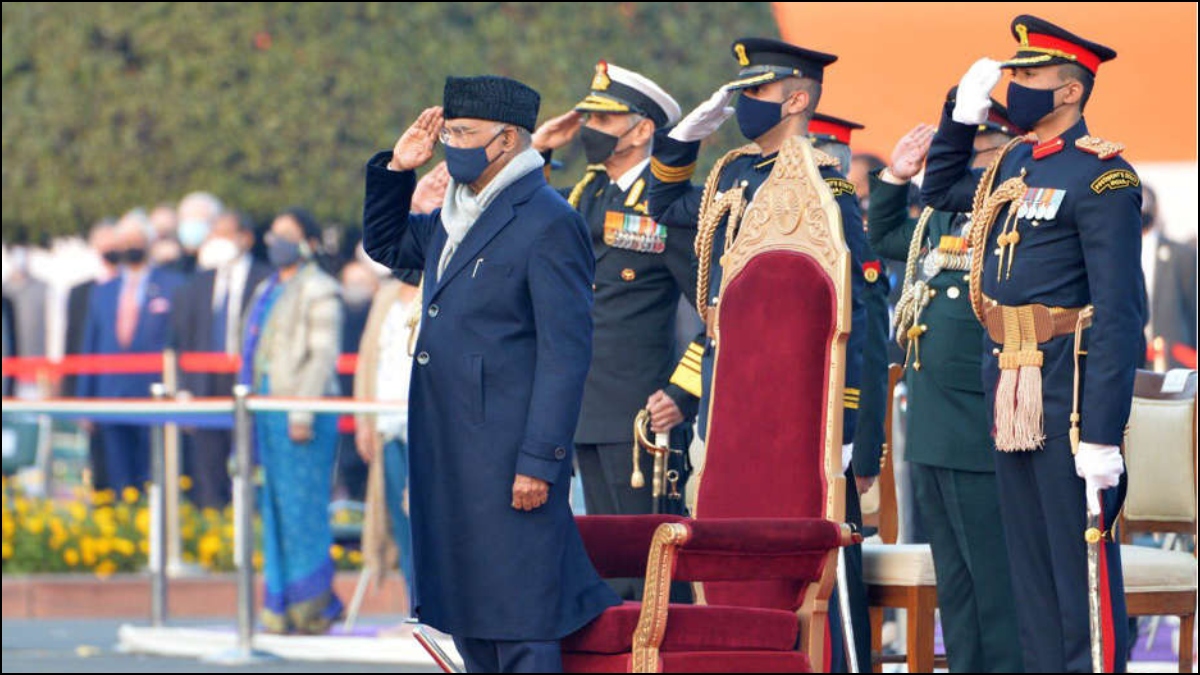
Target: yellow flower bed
<point x="104" y="533"/>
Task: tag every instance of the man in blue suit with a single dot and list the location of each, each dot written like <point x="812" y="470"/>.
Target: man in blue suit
<point x="497" y="380"/>
<point x="130" y="314"/>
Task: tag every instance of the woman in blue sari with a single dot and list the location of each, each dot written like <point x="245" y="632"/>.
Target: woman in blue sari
<point x="292" y="342"/>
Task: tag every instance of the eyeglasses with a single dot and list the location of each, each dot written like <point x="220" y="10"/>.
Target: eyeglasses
<point x="460" y="136"/>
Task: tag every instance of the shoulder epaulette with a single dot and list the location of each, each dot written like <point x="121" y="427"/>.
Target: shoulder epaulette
<point x="1099" y="147"/>
<point x="840" y="186"/>
<point x="824" y="159"/>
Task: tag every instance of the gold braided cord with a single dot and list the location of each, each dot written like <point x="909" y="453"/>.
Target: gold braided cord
<point x="710" y="218"/>
<point x="577" y="191"/>
<point x="983" y="215"/>
<point x="906" y="314"/>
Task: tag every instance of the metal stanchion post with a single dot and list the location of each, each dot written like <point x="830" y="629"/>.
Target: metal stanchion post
<point x="244" y="653"/>
<point x="158" y="521"/>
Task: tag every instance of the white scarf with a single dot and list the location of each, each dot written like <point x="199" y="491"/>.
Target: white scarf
<point x="462" y="207"/>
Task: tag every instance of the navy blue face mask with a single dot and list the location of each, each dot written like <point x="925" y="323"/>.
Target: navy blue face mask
<point x="466" y="165"/>
<point x="1027" y="106"/>
<point x="756" y="117"/>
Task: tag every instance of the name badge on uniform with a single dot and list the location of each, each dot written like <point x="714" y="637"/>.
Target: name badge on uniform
<point x="633" y="232"/>
<point x="1040" y="204"/>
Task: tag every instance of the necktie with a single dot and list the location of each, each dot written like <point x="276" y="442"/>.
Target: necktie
<point x="127" y="312"/>
<point x="219" y="324"/>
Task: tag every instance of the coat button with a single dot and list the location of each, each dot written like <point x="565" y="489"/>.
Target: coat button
<point x="423" y="358"/>
<point x="952" y="292"/>
<point x="559" y="453"/>
<point x="433" y="311"/>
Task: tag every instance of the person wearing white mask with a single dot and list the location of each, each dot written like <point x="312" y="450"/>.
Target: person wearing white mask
<point x="207" y="318"/>
<point x="198" y="213"/>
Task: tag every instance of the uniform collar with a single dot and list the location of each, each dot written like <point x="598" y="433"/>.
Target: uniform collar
<point x="627" y="179"/>
<point x="1053" y="146"/>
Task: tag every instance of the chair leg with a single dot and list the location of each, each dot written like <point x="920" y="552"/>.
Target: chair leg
<point x="876" y="639"/>
<point x="921" y="605"/>
<point x="1187" y="624"/>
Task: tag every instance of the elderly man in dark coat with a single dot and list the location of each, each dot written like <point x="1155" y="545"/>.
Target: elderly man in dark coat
<point x="497" y="378"/>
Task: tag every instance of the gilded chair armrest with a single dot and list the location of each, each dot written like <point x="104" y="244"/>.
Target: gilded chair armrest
<point x="618" y="545"/>
<point x="728" y="549"/>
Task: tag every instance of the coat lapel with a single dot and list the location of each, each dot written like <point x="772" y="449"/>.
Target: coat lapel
<point x="494" y="219"/>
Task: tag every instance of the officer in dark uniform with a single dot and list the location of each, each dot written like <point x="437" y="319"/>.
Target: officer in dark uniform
<point x="1057" y="284"/>
<point x="780" y="88"/>
<point x="642" y="268"/>
<point x="948" y="445"/>
<point x="831" y="135"/>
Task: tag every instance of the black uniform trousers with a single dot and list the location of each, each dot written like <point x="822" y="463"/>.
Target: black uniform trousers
<point x="860" y="617"/>
<point x="498" y="656"/>
<point x="1044" y="514"/>
<point x="206" y="460"/>
<point x="961" y="512"/>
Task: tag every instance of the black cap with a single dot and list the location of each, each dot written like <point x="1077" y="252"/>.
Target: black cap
<point x="490" y="97"/>
<point x="829" y="129"/>
<point x="997" y="120"/>
<point x="764" y="60"/>
<point x="1045" y="44"/>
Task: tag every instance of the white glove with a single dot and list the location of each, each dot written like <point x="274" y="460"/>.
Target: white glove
<point x="847" y="455"/>
<point x="1100" y="466"/>
<point x="705" y="119"/>
<point x="974" y="91"/>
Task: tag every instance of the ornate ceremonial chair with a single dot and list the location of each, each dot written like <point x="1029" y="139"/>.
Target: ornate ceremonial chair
<point x="769" y="519"/>
<point x="899" y="576"/>
<point x="1160" y="454"/>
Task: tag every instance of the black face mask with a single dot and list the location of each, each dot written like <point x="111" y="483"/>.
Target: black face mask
<point x="112" y="257"/>
<point x="134" y="256"/>
<point x="599" y="146"/>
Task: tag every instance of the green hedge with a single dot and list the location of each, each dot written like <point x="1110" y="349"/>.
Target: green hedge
<point x="111" y="105"/>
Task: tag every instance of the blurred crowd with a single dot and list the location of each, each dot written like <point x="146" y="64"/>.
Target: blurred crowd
<point x="171" y="277"/>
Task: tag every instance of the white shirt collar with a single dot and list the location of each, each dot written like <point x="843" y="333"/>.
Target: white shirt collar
<point x="627" y="179"/>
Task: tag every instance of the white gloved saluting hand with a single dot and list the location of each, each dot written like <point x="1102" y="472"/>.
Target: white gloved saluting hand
<point x="974" y="92"/>
<point x="705" y="119"/>
<point x="1100" y="466"/>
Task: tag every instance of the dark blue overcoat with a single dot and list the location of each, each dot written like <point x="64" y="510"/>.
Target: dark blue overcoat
<point x="498" y="374"/>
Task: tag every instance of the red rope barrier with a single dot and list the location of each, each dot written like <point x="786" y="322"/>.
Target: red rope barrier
<point x="220" y="363"/>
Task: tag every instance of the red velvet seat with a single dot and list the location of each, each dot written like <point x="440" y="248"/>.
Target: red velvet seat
<point x="769" y="516"/>
<point x="692" y="628"/>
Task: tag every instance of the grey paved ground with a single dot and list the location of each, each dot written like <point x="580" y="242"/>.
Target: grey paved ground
<point x="87" y="646"/>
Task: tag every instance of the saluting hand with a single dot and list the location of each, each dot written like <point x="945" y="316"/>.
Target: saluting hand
<point x="557" y="132"/>
<point x="431" y="190"/>
<point x="909" y="155"/>
<point x="529" y="493"/>
<point x="415" y="146"/>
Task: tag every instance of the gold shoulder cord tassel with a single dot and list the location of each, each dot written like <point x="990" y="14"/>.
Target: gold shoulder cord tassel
<point x="1018" y="392"/>
<point x="711" y="211"/>
<point x="577" y="192"/>
<point x="914" y="298"/>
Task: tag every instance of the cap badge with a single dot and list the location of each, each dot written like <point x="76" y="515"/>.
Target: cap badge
<point x="1022" y="34"/>
<point x="740" y="50"/>
<point x="601" y="81"/>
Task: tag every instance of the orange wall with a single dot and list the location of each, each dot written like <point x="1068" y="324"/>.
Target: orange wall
<point x="897" y="60"/>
